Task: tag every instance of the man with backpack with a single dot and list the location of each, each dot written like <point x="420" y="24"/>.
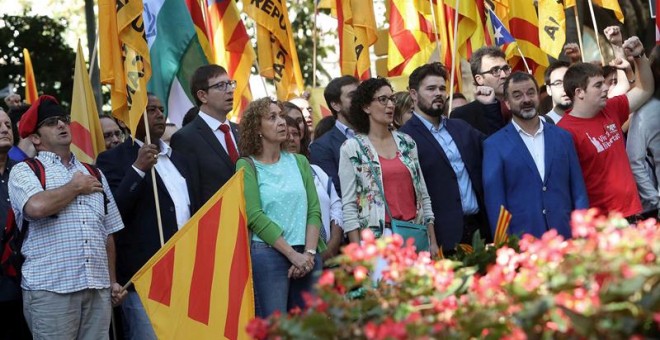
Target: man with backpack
<point x="68" y="277"/>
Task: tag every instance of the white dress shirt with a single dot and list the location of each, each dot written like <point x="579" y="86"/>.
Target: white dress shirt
<point x="535" y="145"/>
<point x="214" y="124"/>
<point x="174" y="183"/>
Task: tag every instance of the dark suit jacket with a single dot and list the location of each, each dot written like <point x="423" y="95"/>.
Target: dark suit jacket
<point x="486" y="118"/>
<point x="441" y="180"/>
<point x="139" y="240"/>
<point x="512" y="179"/>
<point x="210" y="164"/>
<point x="324" y="152"/>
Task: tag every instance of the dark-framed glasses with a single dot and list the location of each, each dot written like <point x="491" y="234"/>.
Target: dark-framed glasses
<point x="223" y="86"/>
<point x="497" y="70"/>
<point x="53" y="121"/>
<point x="383" y="99"/>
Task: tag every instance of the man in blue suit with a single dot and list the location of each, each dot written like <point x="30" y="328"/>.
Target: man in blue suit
<point x="531" y="167"/>
<point x="324" y="151"/>
<point x="450" y="157"/>
<point x="127" y="168"/>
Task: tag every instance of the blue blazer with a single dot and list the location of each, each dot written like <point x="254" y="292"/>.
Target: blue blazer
<point x="441" y="180"/>
<point x="139" y="240"/>
<point x="511" y="179"/>
<point x="324" y="152"/>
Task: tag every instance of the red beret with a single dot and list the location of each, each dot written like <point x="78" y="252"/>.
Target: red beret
<point x="46" y="106"/>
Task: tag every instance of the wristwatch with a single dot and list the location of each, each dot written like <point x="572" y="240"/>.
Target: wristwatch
<point x="311" y="251"/>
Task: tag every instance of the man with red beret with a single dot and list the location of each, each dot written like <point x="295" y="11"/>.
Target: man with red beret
<point x="68" y="277"/>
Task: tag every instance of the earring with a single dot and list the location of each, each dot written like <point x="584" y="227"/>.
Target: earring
<point x="261" y="136"/>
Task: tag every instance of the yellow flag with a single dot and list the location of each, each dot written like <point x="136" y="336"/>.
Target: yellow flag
<point x="199" y="284"/>
<point x="412" y="36"/>
<point x="552" y="34"/>
<point x="277" y="53"/>
<point x="357" y="32"/>
<point x="612" y="5"/>
<point x="87" y="136"/>
<point x="124" y="56"/>
<point x="31" y="94"/>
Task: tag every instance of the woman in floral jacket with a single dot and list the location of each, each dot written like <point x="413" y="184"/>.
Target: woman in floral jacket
<point x="393" y="156"/>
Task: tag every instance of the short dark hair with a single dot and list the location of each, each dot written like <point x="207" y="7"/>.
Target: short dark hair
<point x="324" y="125"/>
<point x="15" y="114"/>
<point x="556" y="65"/>
<point x="458" y="95"/>
<point x="430" y="69"/>
<point x="332" y="92"/>
<point x="607" y="70"/>
<point x="517" y="77"/>
<point x="190" y="115"/>
<point x="577" y="76"/>
<point x="362" y="97"/>
<point x="490" y="51"/>
<point x="200" y="79"/>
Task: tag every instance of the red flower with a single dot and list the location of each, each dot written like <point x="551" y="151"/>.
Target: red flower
<point x="257" y="328"/>
<point x="327" y="278"/>
<point x="360" y="273"/>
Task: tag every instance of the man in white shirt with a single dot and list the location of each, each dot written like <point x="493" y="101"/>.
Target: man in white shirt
<point x="531" y="167"/>
<point x="554" y="81"/>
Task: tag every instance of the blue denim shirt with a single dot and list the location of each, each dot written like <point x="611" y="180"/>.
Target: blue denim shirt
<point x="468" y="197"/>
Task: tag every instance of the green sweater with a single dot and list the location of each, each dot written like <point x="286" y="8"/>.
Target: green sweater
<point x="258" y="222"/>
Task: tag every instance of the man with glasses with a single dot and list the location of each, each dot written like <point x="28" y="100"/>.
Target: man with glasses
<point x="554" y="81"/>
<point x="210" y="141"/>
<point x="489" y="70"/>
<point x="69" y="270"/>
<point x="112" y="134"/>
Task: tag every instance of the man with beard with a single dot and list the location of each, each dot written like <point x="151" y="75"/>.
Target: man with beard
<point x="450" y="157"/>
<point x="554" y="81"/>
<point x="531" y="167"/>
<point x="595" y="124"/>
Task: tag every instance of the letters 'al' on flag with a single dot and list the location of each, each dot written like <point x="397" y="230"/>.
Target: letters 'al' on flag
<point x="232" y="48"/>
<point x="277" y="54"/>
<point x="175" y="52"/>
<point x="199" y="284"/>
<point x="31" y="94"/>
<point x="86" y="133"/>
<point x="124" y="55"/>
<point x="412" y="37"/>
<point x="357" y="32"/>
<point x="552" y="35"/>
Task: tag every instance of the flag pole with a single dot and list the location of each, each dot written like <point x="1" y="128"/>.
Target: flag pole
<point x="314" y="37"/>
<point x="435" y="25"/>
<point x="593" y="19"/>
<point x="93" y="57"/>
<point x="153" y="182"/>
<point x="579" y="31"/>
<point x="523" y="58"/>
<point x="453" y="59"/>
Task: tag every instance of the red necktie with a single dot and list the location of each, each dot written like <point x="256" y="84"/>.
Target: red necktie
<point x="231" y="148"/>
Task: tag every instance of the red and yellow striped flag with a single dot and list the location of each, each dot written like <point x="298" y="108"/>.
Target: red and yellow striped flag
<point x="201" y="28"/>
<point x="502" y="228"/>
<point x="412" y="36"/>
<point x="86" y="133"/>
<point x="199" y="284"/>
<point x="357" y="32"/>
<point x="445" y="22"/>
<point x="278" y="56"/>
<point x="124" y="56"/>
<point x="231" y="48"/>
<point x="31" y="94"/>
<point x="470" y="35"/>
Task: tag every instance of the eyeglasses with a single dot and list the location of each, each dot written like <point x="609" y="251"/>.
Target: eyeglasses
<point x="497" y="70"/>
<point x="53" y="121"/>
<point x="558" y="83"/>
<point x="383" y="99"/>
<point x="109" y="135"/>
<point x="223" y="86"/>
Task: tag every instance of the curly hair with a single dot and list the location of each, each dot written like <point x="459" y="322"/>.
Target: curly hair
<point x="362" y="97"/>
<point x="250" y="143"/>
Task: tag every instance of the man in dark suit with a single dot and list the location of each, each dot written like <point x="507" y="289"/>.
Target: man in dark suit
<point x="487" y="112"/>
<point x="127" y="168"/>
<point x="531" y="167"/>
<point x="324" y="152"/>
<point x="450" y="156"/>
<point x="210" y="141"/>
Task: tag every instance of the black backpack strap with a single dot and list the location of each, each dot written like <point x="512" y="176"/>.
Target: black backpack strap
<point x="93" y="170"/>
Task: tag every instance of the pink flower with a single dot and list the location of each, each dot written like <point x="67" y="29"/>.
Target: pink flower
<point x="367" y="236"/>
<point x="327" y="278"/>
<point x="257" y="328"/>
<point x="360" y="273"/>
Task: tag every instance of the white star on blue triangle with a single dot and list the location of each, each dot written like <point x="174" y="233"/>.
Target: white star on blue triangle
<point x="502" y="36"/>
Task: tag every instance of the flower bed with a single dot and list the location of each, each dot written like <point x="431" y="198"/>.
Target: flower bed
<point x="602" y="284"/>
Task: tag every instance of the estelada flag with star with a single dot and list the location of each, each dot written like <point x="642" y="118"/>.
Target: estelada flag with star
<point x="199" y="284"/>
<point x="501" y="35"/>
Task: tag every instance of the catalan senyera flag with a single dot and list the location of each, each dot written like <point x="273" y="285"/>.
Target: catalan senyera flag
<point x="86" y="133"/>
<point x="470" y="35"/>
<point x="552" y="35"/>
<point x="357" y="32"/>
<point x="124" y="56"/>
<point x="445" y="26"/>
<point x="199" y="284"/>
<point x="31" y="94"/>
<point x="412" y="36"/>
<point x="232" y="49"/>
<point x="197" y="14"/>
<point x="319" y="105"/>
<point x="502" y="228"/>
<point x="277" y="53"/>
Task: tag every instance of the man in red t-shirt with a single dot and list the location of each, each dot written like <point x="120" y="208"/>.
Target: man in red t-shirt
<point x="595" y="124"/>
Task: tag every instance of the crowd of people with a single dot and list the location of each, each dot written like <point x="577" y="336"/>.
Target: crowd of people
<point x="381" y="157"/>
